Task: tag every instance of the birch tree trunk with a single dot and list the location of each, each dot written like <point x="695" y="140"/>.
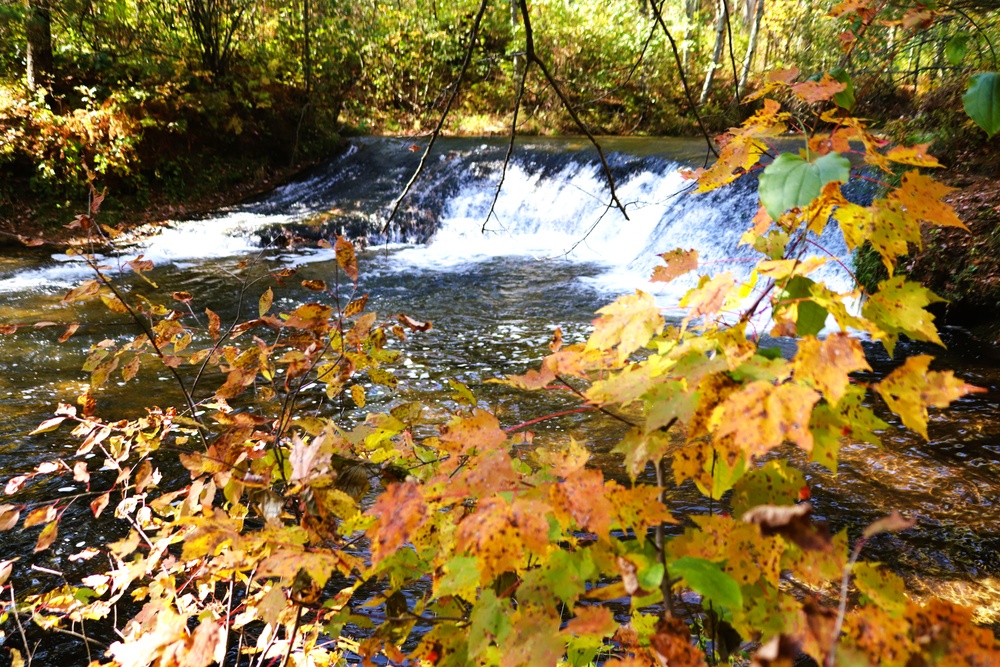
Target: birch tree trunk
<point x="752" y="44"/>
<point x="38" y="34"/>
<point x="720" y="33"/>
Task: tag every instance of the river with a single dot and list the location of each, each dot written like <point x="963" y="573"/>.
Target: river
<point x="495" y="288"/>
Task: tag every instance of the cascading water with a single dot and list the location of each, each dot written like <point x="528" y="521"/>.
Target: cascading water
<point x="553" y="204"/>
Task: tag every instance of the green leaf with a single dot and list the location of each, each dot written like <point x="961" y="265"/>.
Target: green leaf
<point x="982" y="101"/>
<point x="811" y="316"/>
<point x="845" y="98"/>
<point x="882" y="587"/>
<point x="791" y="181"/>
<point x="707" y="578"/>
<point x="956" y="48"/>
<point x="651" y="577"/>
<point x="774" y="483"/>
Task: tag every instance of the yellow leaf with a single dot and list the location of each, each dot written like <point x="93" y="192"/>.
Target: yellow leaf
<point x="899" y="307"/>
<point x="628" y="324"/>
<point x="358" y="395"/>
<point x="708" y="298"/>
<point x="818" y="91"/>
<point x="915" y="155"/>
<point x="47" y="536"/>
<point x="921" y="197"/>
<point x="735" y="159"/>
<point x="826" y="365"/>
<point x="759" y="417"/>
<point x="912" y="388"/>
<point x="264" y="305"/>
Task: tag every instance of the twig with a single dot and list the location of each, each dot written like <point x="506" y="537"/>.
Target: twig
<point x="510" y="146"/>
<point x="473" y="34"/>
<point x="692" y="107"/>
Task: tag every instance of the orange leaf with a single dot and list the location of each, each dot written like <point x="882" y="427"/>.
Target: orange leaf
<point x="589" y="620"/>
<point x="678" y="262"/>
<point x="346" y="258"/>
<point x="818" y="91"/>
<point x="399" y="512"/>
<point x="915" y="155"/>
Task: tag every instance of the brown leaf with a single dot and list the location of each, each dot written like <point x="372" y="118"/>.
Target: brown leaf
<point x="791" y="522"/>
<point x="99" y="503"/>
<point x="672" y="644"/>
<point x="70" y="330"/>
<point x="314" y="285"/>
<point x="356" y="306"/>
<point x="400" y="511"/>
<point x="8" y="329"/>
<point x="346" y="258"/>
<point x="781" y="651"/>
<point x="14" y="484"/>
<point x="85" y="290"/>
<point x="39" y="516"/>
<point x="8" y="517"/>
<point x="414" y="325"/>
<point x="5" y="569"/>
<point x="893" y="523"/>
<point x="80" y="473"/>
<point x="183" y="297"/>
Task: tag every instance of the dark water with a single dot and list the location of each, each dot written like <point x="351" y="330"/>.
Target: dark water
<point x="495" y="301"/>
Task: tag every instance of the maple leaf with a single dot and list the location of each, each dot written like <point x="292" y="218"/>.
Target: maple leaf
<point x="818" y="91"/>
<point x="496" y="535"/>
<point x="582" y="497"/>
<point x="921" y="197"/>
<point x="678" y="262"/>
<point x="915" y="155"/>
<point x="774" y="483"/>
<point x="826" y="365"/>
<point x="899" y="307"/>
<point x="708" y="297"/>
<point x="912" y="388"/>
<point x="760" y="416"/>
<point x="590" y="620"/>
<point x="628" y="324"/>
<point x="399" y="512"/>
<point x="735" y="159"/>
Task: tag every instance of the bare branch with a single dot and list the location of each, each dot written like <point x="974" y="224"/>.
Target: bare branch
<point x="510" y="145"/>
<point x="531" y="56"/>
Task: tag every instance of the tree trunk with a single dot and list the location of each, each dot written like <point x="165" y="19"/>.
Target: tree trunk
<point x="38" y="30"/>
<point x="690" y="7"/>
<point x="752" y="44"/>
<point x="720" y="33"/>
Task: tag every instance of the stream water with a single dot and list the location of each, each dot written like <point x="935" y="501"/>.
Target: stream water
<point x="495" y="288"/>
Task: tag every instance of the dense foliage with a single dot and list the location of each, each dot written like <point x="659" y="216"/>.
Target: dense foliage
<point x="480" y="548"/>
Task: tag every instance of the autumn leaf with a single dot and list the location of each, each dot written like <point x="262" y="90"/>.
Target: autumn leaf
<point x="921" y="197"/>
<point x="314" y="285"/>
<point x="899" y="307"/>
<point x="812" y="92"/>
<point x="47" y="536"/>
<point x="916" y="155"/>
<point x="346" y="258"/>
<point x="893" y="523"/>
<point x="85" y="290"/>
<point x="591" y="620"/>
<point x="912" y="388"/>
<point x="264" y="304"/>
<point x="70" y="330"/>
<point x="678" y="262"/>
<point x="399" y="512"/>
<point x="48" y="425"/>
<point x="708" y="297"/>
<point x="628" y="324"/>
<point x="760" y="416"/>
<point x="826" y="365"/>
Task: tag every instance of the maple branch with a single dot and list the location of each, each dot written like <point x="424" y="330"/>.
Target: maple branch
<point x="597" y="407"/>
<point x="537" y="420"/>
<point x="842" y="608"/>
<point x="473" y="34"/>
<point x="532" y="57"/>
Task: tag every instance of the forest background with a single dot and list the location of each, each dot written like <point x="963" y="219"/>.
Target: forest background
<point x="266" y="557"/>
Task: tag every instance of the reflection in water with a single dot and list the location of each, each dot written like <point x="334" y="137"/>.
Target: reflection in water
<point x="494" y="303"/>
